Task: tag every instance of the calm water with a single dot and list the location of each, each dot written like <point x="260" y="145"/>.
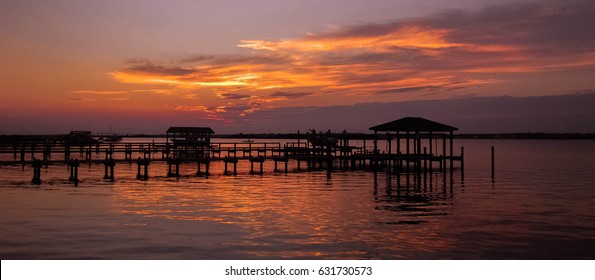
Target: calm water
<point x="541" y="205"/>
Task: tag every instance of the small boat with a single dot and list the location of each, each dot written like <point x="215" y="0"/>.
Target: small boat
<point x="248" y="141"/>
<point x="112" y="139"/>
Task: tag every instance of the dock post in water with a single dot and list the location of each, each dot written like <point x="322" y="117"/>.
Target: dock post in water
<point x="109" y="165"/>
<point x="493" y="173"/>
<point x="143" y="162"/>
<point x="258" y="159"/>
<point x="74" y="164"/>
<point x="206" y="162"/>
<point x="234" y="161"/>
<point x="37" y="164"/>
<point x="171" y="162"/>
<point x="462" y="160"/>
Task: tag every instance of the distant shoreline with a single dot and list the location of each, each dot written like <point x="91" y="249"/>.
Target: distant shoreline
<point x="495" y="136"/>
<point x="351" y="136"/>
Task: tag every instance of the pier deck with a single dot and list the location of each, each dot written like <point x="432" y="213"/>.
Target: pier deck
<point x="256" y="153"/>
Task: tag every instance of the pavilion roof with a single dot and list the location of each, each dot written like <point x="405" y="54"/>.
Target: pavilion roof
<point x="188" y="129"/>
<point x="414" y="124"/>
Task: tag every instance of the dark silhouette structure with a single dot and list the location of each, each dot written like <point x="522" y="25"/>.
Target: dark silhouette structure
<point x="189" y="141"/>
<point x="414" y="129"/>
<point x="185" y="145"/>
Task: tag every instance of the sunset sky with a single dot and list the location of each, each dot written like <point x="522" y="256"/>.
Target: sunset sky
<point x="241" y="66"/>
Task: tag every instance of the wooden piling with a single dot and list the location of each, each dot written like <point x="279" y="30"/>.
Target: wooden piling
<point x="493" y="172"/>
<point x="143" y="162"/>
<point x="206" y="162"/>
<point x="109" y="164"/>
<point x="176" y="164"/>
<point x="259" y="160"/>
<point x="232" y="160"/>
<point x="37" y="164"/>
<point x="74" y="170"/>
<point x="462" y="160"/>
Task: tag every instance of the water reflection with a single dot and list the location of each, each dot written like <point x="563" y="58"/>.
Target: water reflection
<point x="304" y="215"/>
<point x="537" y="209"/>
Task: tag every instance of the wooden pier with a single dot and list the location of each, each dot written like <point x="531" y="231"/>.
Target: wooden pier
<point x="143" y="155"/>
<point x="317" y="152"/>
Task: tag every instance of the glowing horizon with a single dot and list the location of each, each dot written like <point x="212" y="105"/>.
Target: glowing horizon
<point x="517" y="48"/>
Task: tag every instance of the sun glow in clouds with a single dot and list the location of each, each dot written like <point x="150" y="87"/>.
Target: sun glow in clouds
<point x="427" y="58"/>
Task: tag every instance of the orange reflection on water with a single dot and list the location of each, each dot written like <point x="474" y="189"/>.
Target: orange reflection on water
<point x="299" y="212"/>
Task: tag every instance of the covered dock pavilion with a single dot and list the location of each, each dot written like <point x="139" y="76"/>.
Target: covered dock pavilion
<point x="412" y="129"/>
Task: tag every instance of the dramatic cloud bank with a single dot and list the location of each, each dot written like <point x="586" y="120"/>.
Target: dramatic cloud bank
<point x="511" y="49"/>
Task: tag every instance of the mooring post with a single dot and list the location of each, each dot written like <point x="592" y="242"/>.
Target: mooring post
<point x="462" y="159"/>
<point x="493" y="173"/>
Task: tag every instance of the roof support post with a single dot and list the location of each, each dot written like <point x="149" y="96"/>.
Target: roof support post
<point x="398" y="143"/>
<point x="375" y="156"/>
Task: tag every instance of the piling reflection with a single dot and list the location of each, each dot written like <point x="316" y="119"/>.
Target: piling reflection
<point x="415" y="196"/>
<point x="305" y="215"/>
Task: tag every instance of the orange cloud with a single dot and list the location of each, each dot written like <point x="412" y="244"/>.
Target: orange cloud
<point x="427" y="57"/>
